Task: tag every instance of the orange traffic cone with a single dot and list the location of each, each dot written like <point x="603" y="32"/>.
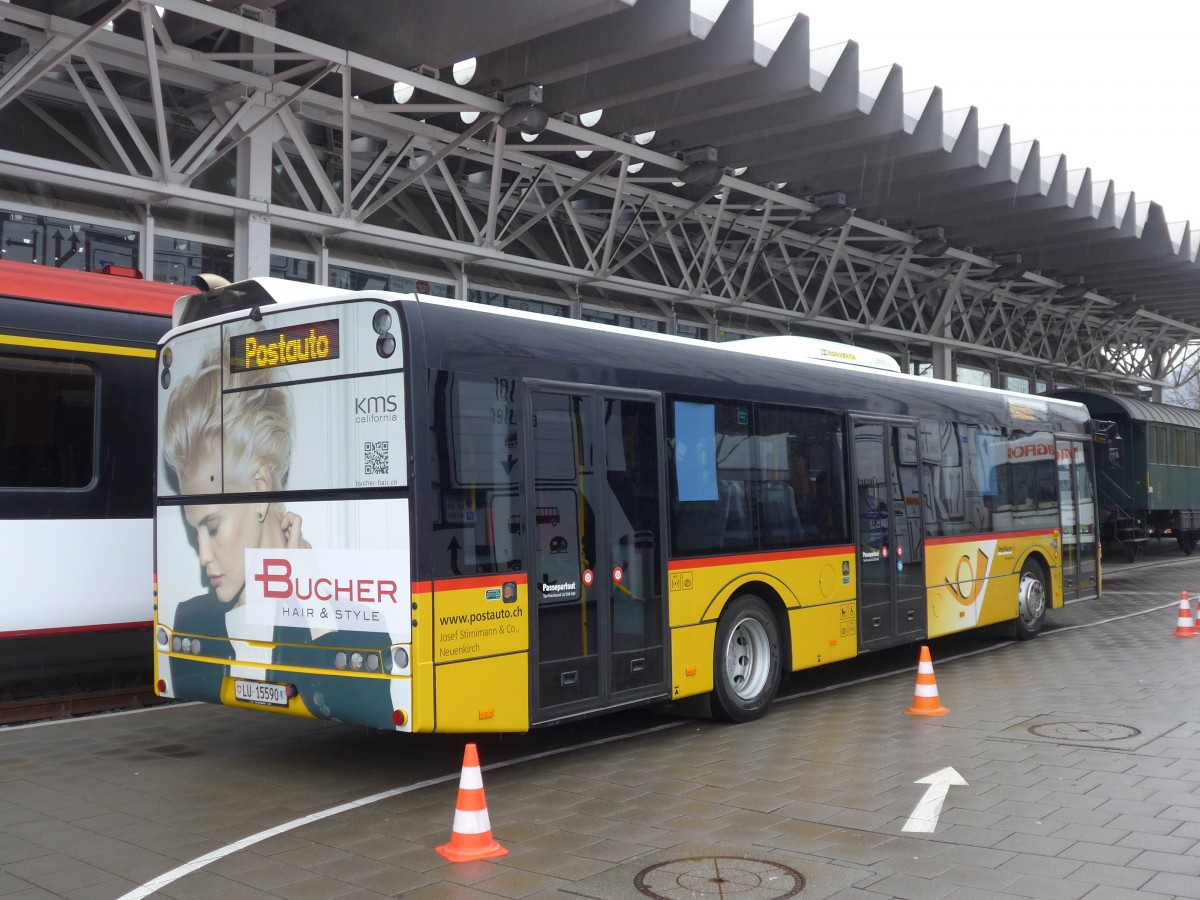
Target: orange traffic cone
<point x="1186" y="624"/>
<point x="471" y="836"/>
<point x="925" y="700"/>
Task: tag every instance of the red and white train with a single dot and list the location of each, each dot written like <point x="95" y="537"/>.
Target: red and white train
<point x="77" y="378"/>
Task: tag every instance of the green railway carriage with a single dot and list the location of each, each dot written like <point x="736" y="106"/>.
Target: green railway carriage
<point x="1149" y="481"/>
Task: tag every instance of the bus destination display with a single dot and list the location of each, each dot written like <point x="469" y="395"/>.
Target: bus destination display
<point x="288" y="346"/>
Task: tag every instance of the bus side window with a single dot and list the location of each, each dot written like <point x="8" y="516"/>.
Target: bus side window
<point x="801" y="500"/>
<point x="1023" y="487"/>
<point x="980" y="451"/>
<point x="473" y="441"/>
<point x="710" y="467"/>
<point x="1047" y="484"/>
<point x="1032" y="478"/>
<point x="739" y="524"/>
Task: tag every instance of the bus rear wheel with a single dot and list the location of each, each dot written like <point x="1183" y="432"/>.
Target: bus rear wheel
<point x="1031" y="602"/>
<point x="745" y="661"/>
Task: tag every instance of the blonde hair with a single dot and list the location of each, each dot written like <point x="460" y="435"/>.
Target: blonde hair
<point x="256" y="419"/>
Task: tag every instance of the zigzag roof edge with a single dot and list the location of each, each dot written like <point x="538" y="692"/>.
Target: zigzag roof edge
<point x="824" y="60"/>
<point x="705" y="14"/>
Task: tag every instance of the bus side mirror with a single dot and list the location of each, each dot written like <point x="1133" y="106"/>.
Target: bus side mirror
<point x="1114" y="453"/>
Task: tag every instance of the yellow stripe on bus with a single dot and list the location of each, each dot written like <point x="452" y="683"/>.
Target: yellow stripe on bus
<point x="79" y="346"/>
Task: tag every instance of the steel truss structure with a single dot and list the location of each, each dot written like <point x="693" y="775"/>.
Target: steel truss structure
<point x="185" y="110"/>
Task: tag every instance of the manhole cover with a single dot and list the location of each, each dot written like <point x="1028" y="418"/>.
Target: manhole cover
<point x="1060" y="728"/>
<point x="1084" y="731"/>
<point x="719" y="876"/>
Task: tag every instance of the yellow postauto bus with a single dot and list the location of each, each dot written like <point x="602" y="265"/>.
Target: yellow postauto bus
<point x="432" y="516"/>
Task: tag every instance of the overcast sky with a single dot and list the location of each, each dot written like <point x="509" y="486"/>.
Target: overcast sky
<point x="1112" y="86"/>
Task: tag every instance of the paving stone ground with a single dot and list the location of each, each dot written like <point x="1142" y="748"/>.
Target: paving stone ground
<point x="1080" y="750"/>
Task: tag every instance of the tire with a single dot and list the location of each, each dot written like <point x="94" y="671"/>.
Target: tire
<point x="1187" y="541"/>
<point x="1032" y="600"/>
<point x="746" y="668"/>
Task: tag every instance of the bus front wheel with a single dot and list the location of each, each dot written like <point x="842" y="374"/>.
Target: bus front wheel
<point x="1031" y="613"/>
<point x="746" y="661"/>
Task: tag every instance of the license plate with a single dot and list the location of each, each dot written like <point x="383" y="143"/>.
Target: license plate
<point x="261" y="692"/>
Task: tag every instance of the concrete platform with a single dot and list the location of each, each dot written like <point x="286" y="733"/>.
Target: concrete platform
<point x="1080" y="752"/>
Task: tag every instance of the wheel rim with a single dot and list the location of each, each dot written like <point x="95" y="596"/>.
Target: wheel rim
<point x="1033" y="599"/>
<point x="747" y="659"/>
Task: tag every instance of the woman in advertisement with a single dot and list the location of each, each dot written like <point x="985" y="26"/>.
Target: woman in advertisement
<point x="256" y="423"/>
<point x="258" y="447"/>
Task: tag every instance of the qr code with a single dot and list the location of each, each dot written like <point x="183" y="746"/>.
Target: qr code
<point x="375" y="458"/>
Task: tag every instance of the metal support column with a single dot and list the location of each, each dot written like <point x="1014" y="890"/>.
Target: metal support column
<point x="252" y="230"/>
<point x="146" y="244"/>
<point x="943" y="362"/>
<point x="321" y="275"/>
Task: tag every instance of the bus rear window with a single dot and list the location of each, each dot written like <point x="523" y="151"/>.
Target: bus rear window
<point x="47" y="423"/>
<point x="315" y="392"/>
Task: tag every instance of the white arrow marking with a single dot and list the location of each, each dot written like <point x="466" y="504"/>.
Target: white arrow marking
<point x="925" y="816"/>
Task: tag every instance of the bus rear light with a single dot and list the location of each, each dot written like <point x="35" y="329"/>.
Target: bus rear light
<point x="400" y="659"/>
<point x="357" y="661"/>
<point x="161" y="686"/>
<point x="382" y="323"/>
<point x="180" y="644"/>
<point x="162" y="637"/>
<point x="292" y="691"/>
<point x="399" y="718"/>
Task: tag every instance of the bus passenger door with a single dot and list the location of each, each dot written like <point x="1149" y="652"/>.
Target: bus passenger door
<point x="596" y="545"/>
<point x="1077" y="510"/>
<point x="891" y="548"/>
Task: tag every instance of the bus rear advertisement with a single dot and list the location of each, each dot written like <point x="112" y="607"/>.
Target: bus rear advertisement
<point x="430" y="516"/>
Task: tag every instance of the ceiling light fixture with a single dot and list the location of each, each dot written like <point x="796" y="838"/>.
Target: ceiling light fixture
<point x="1072" y="287"/>
<point x="1009" y="266"/>
<point x="523" y="111"/>
<point x="931" y="241"/>
<point x="464" y="70"/>
<point x="702" y="169"/>
<point x="402" y="92"/>
<point x="833" y="212"/>
<point x="530" y="119"/>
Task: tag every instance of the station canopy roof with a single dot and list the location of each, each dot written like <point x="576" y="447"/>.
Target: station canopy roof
<point x="663" y="152"/>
